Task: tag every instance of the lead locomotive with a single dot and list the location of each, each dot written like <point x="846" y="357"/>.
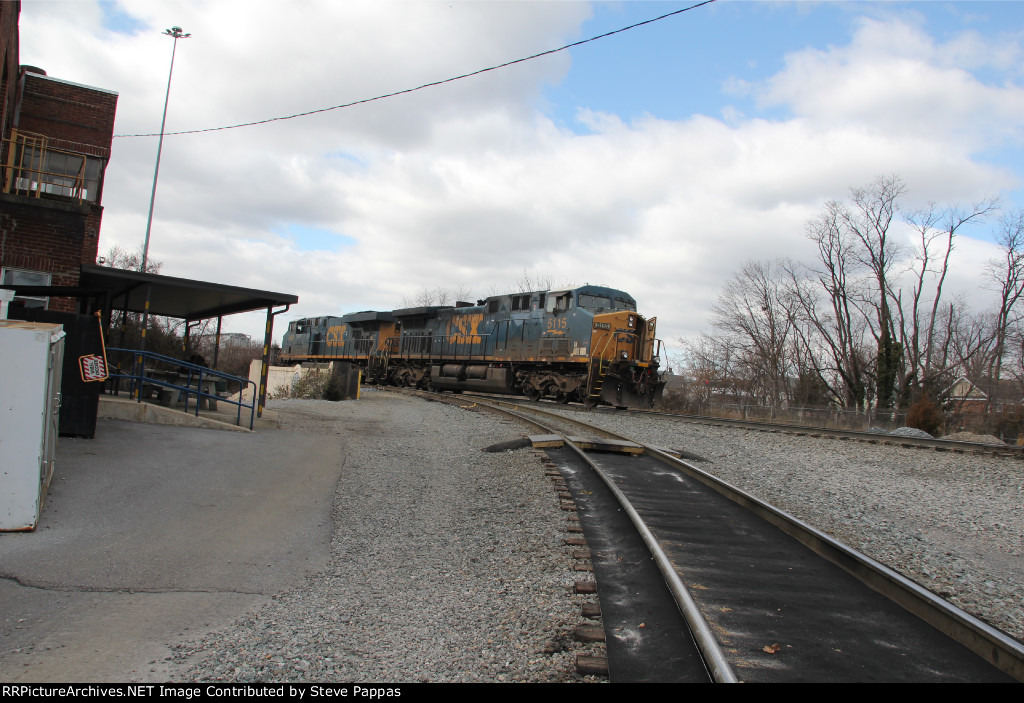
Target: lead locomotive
<point x="585" y="344"/>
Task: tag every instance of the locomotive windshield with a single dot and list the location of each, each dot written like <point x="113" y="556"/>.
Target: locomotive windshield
<point x="602" y="303"/>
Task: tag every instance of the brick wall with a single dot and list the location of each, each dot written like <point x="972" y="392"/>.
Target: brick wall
<point x="67" y="111"/>
<point x="8" y="62"/>
<point x="49" y="236"/>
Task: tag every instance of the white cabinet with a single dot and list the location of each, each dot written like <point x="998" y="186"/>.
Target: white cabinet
<point x="31" y="355"/>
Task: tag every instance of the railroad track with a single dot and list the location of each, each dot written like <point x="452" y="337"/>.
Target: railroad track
<point x="938" y="445"/>
<point x="765" y="597"/>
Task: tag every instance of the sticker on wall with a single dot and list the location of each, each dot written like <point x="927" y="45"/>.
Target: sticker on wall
<point x="93" y="367"/>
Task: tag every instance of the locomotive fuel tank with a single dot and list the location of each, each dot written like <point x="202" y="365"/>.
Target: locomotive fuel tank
<point x="473" y="377"/>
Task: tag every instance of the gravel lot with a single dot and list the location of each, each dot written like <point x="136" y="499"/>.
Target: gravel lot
<point x="952" y="522"/>
<point x="447" y="563"/>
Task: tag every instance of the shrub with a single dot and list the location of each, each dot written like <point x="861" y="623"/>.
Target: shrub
<point x="1008" y="424"/>
<point x="312" y="384"/>
<point x="925" y="415"/>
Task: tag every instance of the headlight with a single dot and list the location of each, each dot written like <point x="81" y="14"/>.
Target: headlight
<point x="632" y="320"/>
<point x="625" y="355"/>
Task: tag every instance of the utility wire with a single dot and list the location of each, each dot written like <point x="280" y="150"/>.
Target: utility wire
<point x="425" y="85"/>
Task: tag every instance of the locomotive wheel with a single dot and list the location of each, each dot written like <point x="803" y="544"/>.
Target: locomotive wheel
<point x="563" y="398"/>
<point x="531" y="393"/>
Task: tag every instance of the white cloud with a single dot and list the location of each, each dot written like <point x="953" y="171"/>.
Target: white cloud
<point x="896" y="80"/>
<point x="469" y="183"/>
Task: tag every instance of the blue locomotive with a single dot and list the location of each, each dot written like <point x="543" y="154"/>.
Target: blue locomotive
<point x="585" y="344"/>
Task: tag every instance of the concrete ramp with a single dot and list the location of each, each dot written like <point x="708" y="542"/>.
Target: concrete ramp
<point x="118" y="408"/>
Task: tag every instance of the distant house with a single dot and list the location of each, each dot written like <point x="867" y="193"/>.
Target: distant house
<point x="56" y="138"/>
<point x="965" y="397"/>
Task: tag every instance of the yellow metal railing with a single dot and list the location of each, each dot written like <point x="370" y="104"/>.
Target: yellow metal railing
<point x="595" y="375"/>
<point x="33" y="166"/>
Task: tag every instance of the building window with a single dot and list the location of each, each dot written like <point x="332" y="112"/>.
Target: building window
<point x="21" y="277"/>
<point x="38" y="168"/>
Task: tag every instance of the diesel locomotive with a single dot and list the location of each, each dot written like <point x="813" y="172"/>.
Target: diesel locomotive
<point x="585" y="344"/>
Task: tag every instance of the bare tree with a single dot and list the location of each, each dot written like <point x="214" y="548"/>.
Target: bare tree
<point x="1007" y="273"/>
<point x="163" y="333"/>
<point x="852" y="238"/>
<point x="750" y="310"/>
<point x="1014" y="360"/>
<point x="709" y="365"/>
<point x="438" y="295"/>
<point x="120" y="258"/>
<point x="868" y="220"/>
<point x="527" y="283"/>
<point x="842" y="330"/>
<point x="920" y="331"/>
<point x="830" y="331"/>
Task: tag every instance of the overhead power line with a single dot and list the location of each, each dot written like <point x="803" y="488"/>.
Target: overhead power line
<point x="426" y="85"/>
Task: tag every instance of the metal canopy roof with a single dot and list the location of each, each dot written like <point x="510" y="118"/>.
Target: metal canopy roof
<point x="177" y="297"/>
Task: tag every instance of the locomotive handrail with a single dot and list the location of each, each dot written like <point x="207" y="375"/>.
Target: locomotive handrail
<point x="597" y="360"/>
<point x="193" y="377"/>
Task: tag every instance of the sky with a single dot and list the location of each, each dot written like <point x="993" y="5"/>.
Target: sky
<point x="655" y="160"/>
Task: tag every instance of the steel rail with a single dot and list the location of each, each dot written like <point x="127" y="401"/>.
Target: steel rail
<point x="935" y="443"/>
<point x="989" y="643"/>
<point x="711" y="652"/>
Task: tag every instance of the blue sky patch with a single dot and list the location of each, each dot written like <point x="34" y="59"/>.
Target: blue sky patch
<point x="347" y="156"/>
<point x="311" y="239"/>
<point x="117" y="20"/>
<point x="679" y="66"/>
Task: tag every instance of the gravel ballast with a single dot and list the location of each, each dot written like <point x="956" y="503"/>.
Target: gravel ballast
<point x="447" y="563"/>
<point x="951" y="522"/>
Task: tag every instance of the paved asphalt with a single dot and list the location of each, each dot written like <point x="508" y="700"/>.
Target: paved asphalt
<point x="152" y="534"/>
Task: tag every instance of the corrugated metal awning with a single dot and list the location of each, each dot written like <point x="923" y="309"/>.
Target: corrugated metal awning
<point x="177" y="297"/>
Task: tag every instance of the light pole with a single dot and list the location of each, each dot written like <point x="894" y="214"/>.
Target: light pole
<point x="177" y="34"/>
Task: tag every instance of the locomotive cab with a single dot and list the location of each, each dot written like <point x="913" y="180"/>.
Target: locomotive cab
<point x="357" y="337"/>
<point x="307" y="339"/>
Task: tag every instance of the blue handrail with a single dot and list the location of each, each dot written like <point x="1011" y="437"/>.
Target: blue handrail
<point x="191" y="374"/>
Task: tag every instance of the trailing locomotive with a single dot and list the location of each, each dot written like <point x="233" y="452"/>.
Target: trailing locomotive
<point x="585" y="344"/>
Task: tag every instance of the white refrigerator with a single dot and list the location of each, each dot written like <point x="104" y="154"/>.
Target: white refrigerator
<point x="31" y="358"/>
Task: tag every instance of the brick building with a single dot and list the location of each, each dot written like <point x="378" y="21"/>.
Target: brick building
<point x="56" y="144"/>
